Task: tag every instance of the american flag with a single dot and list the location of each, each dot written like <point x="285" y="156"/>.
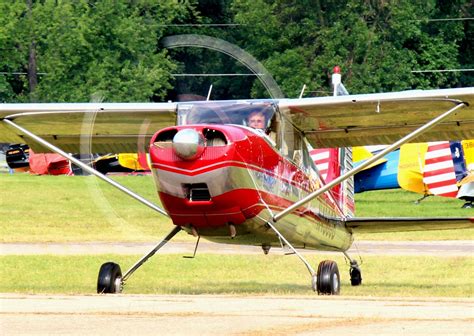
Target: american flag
<point x="321" y="158"/>
<point x="329" y="167"/>
<point x="439" y="174"/>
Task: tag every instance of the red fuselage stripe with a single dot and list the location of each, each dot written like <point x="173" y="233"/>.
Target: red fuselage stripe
<point x="224" y="164"/>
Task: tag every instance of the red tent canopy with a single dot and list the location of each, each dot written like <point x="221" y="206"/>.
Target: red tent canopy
<point x="48" y="164"/>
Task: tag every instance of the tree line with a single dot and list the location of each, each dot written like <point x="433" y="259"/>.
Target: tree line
<point x="112" y="50"/>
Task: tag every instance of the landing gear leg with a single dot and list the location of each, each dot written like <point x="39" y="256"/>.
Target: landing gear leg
<point x="354" y="271"/>
<point x="110" y="276"/>
<point x="418" y="201"/>
<point x="326" y="280"/>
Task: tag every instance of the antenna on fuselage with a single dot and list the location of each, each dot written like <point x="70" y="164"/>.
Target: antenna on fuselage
<point x="302" y="91"/>
<point x="209" y="93"/>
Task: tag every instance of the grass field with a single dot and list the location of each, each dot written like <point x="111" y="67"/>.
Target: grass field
<point x="234" y="274"/>
<point x="74" y="209"/>
<point x="81" y="208"/>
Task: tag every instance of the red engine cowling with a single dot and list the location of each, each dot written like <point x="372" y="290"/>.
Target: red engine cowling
<point x="202" y="173"/>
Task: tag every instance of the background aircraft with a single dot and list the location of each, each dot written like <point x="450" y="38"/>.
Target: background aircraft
<point x="436" y="168"/>
<point x="20" y="157"/>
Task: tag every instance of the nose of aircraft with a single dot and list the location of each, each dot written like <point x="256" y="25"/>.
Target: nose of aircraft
<point x="188" y="144"/>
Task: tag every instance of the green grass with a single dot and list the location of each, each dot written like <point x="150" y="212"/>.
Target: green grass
<point x="77" y="208"/>
<point x="401" y="203"/>
<point x="398" y="202"/>
<point x="82" y="208"/>
<point x="231" y="274"/>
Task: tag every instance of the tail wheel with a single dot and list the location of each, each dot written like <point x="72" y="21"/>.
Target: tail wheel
<point x="356" y="276"/>
<point x="110" y="278"/>
<point x="328" y="280"/>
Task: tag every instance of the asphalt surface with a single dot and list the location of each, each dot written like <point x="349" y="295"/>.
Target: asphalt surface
<point x="232" y="315"/>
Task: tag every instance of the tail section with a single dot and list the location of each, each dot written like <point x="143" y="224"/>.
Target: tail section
<point x="327" y="162"/>
<point x="332" y="163"/>
<point x="438" y="173"/>
<point x="347" y="194"/>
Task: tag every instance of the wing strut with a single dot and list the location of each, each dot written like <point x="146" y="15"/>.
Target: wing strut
<point x="147" y="256"/>
<point x="314" y="275"/>
<point x="354" y="171"/>
<point x="86" y="167"/>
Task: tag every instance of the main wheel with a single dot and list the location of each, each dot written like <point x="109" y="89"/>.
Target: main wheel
<point x="110" y="278"/>
<point x="328" y="280"/>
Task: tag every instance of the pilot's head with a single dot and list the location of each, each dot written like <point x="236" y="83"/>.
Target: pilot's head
<point x="256" y="120"/>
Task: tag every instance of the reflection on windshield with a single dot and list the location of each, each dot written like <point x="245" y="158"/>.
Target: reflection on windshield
<point x="223" y="113"/>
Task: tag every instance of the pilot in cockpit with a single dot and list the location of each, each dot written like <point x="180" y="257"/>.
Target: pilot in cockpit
<point x="257" y="120"/>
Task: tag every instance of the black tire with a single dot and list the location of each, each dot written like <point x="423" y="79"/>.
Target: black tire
<point x="356" y="276"/>
<point x="109" y="273"/>
<point x="328" y="280"/>
<point x="467" y="206"/>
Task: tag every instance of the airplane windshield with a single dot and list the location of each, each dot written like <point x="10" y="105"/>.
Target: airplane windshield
<point x="224" y="113"/>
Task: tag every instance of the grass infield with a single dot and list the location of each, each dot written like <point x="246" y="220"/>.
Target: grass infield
<point x="236" y="274"/>
<point x="76" y="208"/>
<point x="82" y="208"/>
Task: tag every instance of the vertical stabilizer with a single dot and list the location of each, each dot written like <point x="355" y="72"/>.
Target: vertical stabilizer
<point x="332" y="163"/>
<point x="438" y="173"/>
<point x="346" y="191"/>
<point x="347" y="187"/>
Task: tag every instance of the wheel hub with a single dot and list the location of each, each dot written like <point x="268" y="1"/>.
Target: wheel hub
<point x="118" y="285"/>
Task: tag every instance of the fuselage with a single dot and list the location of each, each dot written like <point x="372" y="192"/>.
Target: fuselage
<point x="236" y="184"/>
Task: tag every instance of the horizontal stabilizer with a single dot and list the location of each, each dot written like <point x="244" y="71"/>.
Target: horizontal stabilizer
<point x="407" y="224"/>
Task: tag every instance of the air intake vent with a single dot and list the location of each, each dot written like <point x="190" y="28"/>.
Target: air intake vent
<point x="214" y="138"/>
<point x="196" y="192"/>
<point x="165" y="138"/>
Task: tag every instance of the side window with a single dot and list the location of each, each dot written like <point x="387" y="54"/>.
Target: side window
<point x="298" y="150"/>
<point x="291" y="145"/>
<point x="307" y="159"/>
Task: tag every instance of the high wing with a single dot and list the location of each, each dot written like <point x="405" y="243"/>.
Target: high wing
<point x="382" y="118"/>
<point x="326" y="121"/>
<point x="106" y="127"/>
<point x="393" y="118"/>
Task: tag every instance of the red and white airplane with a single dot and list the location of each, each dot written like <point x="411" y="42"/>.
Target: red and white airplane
<point x="221" y="179"/>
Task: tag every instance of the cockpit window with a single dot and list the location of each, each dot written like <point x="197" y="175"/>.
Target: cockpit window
<point x="225" y="113"/>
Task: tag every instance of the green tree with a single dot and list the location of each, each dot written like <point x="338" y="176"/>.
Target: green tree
<point x="212" y="18"/>
<point x="85" y="47"/>
<point x="111" y="48"/>
<point x="13" y="51"/>
<point x="104" y="47"/>
<point x="377" y="43"/>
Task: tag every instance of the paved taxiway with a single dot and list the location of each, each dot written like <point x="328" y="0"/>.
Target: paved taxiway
<point x="232" y="315"/>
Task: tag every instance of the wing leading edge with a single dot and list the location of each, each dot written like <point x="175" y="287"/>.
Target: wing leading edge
<point x="102" y="127"/>
<point x="374" y="225"/>
<point x="337" y="121"/>
<point x="382" y="118"/>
